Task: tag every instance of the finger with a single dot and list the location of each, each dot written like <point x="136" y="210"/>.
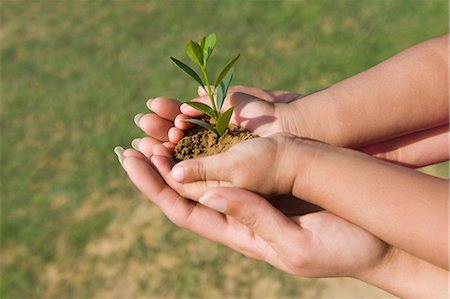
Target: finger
<point x="184" y="213"/>
<point x="154" y="125"/>
<point x="145" y="145"/>
<point x="164" y="107"/>
<point x="175" y="135"/>
<point x="255" y="212"/>
<point x="161" y="150"/>
<point x="203" y="169"/>
<point x="134" y="153"/>
<point x="164" y="162"/>
<point x="180" y="123"/>
<point x="201" y="90"/>
<point x="192" y="112"/>
<point x="170" y="146"/>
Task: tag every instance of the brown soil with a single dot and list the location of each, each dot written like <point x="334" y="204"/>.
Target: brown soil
<point x="200" y="142"/>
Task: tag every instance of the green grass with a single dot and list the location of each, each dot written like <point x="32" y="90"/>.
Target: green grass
<point x="73" y="75"/>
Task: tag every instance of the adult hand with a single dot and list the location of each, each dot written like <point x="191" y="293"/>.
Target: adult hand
<point x="314" y="245"/>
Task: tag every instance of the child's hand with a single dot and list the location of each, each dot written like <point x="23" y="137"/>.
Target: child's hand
<point x="255" y="110"/>
<point x="263" y="112"/>
<point x="266" y="165"/>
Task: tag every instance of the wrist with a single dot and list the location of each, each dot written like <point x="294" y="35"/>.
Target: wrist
<point x="314" y="116"/>
<point x="307" y="155"/>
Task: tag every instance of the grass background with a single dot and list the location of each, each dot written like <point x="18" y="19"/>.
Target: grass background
<point x="73" y="75"/>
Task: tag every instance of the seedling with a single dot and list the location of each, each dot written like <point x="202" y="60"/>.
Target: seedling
<point x="200" y="53"/>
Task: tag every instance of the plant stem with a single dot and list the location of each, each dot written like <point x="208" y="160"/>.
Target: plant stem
<point x="210" y="92"/>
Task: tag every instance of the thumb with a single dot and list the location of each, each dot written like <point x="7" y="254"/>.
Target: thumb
<point x="202" y="169"/>
<point x="253" y="211"/>
<point x="201" y="90"/>
<point x="191" y="111"/>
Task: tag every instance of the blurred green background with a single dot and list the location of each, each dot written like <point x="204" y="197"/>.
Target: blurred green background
<point x="73" y="75"/>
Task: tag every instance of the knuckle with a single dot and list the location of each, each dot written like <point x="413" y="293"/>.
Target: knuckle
<point x="182" y="220"/>
<point x="201" y="171"/>
<point x="250" y="220"/>
<point x="181" y="190"/>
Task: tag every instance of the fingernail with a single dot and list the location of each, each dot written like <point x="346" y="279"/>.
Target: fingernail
<point x="137" y="118"/>
<point x="119" y="152"/>
<point x="178" y="173"/>
<point x="149" y="104"/>
<point x="217" y="203"/>
<point x="135" y="143"/>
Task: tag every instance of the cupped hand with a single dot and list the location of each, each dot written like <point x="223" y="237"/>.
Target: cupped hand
<point x="314" y="245"/>
<point x="267" y="165"/>
<point x="263" y="112"/>
<point x="255" y="109"/>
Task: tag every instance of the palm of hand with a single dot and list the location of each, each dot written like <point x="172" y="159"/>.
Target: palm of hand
<point x="316" y="244"/>
<point x="340" y="247"/>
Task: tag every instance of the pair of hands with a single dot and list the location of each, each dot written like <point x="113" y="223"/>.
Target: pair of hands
<point x="317" y="244"/>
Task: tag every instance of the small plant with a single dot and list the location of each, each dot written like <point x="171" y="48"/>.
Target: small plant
<point x="200" y="53"/>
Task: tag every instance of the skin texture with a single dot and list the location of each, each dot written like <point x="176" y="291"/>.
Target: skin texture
<point x="343" y="249"/>
<point x="404" y="122"/>
<point x="385" y="205"/>
<point x="320" y="243"/>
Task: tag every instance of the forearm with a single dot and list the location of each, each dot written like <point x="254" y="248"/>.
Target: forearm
<point x="407" y="276"/>
<point x="404" y="94"/>
<point x="404" y="207"/>
<point x="414" y="150"/>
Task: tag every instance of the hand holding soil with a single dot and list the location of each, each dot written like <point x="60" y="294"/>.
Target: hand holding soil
<point x="397" y="215"/>
<point x="263" y="112"/>
<point x="251" y="225"/>
<point x="266" y="165"/>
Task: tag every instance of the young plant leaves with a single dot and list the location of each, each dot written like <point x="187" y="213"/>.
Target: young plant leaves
<point x="200" y="123"/>
<point x="223" y="120"/>
<point x="202" y="43"/>
<point x="188" y="71"/>
<point x="223" y="89"/>
<point x="208" y="46"/>
<point x="225" y="70"/>
<point x="194" y="52"/>
<point x="203" y="108"/>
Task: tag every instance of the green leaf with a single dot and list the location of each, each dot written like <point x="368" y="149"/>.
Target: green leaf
<point x="202" y="43"/>
<point x="203" y="108"/>
<point x="188" y="71"/>
<point x="194" y="52"/>
<point x="225" y="70"/>
<point x="208" y="46"/>
<point x="200" y="123"/>
<point x="223" y="120"/>
<point x="223" y="89"/>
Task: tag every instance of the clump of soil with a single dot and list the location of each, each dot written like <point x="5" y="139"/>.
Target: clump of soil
<point x="200" y="142"/>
